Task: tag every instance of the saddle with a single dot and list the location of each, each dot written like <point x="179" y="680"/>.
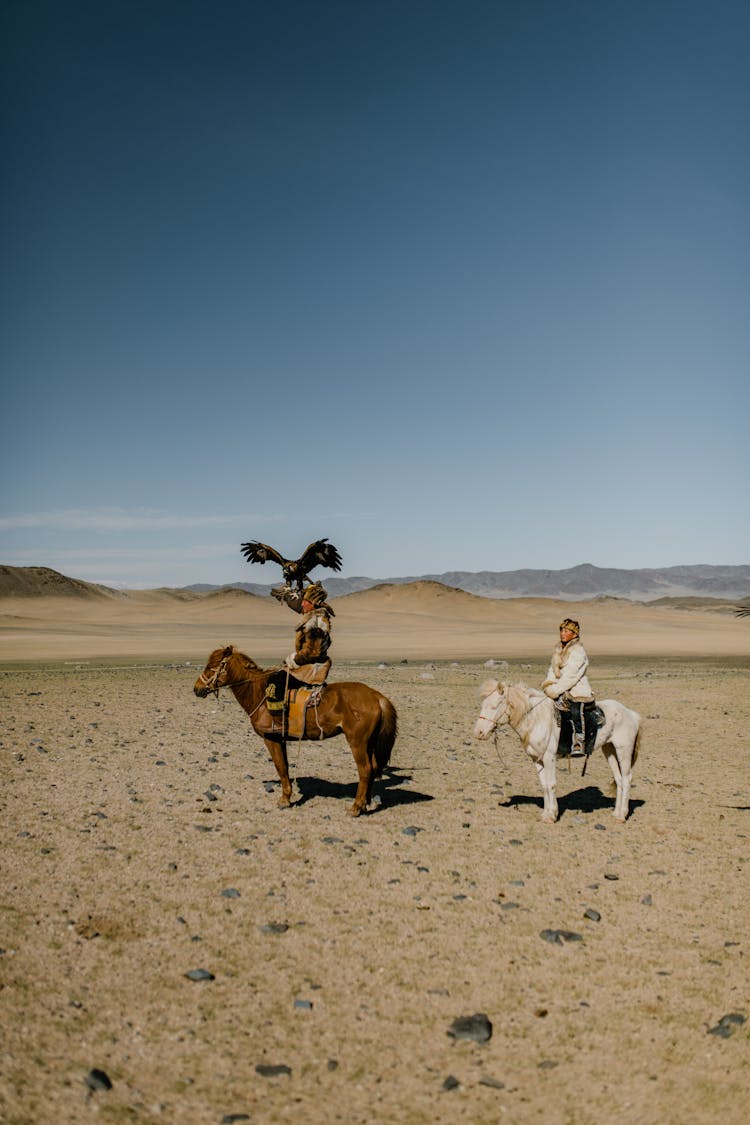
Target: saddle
<point x="593" y="718"/>
<point x="287" y="701"/>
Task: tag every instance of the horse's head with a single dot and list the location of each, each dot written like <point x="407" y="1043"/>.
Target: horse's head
<point x="494" y="712"/>
<point x="214" y="675"/>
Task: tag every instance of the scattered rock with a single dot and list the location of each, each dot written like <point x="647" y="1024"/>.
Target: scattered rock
<point x="592" y="915"/>
<point x="274" y="928"/>
<point x="451" y="1083"/>
<point x="98" y="1080"/>
<point x="199" y="974"/>
<point x="493" y="1083"/>
<point x="268" y="1070"/>
<point x="559" y="937"/>
<point x="727" y="1025"/>
<point x="230" y="892"/>
<point x="477" y="1028"/>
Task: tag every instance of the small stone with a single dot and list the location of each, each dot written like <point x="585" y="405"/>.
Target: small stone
<point x="230" y="1118"/>
<point x="592" y="915"/>
<point x="98" y="1080"/>
<point x="332" y="1064"/>
<point x="647" y="900"/>
<point x="727" y="1024"/>
<point x="611" y="876"/>
<point x="303" y="1005"/>
<point x="230" y="892"/>
<point x="451" y="1083"/>
<point x="267" y="1070"/>
<point x="199" y="974"/>
<point x="274" y="928"/>
<point x="558" y="937"/>
<point x="411" y="830"/>
<point x="493" y="1083"/>
<point x="477" y="1028"/>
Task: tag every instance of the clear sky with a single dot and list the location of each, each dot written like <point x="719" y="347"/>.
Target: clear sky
<point x="459" y="284"/>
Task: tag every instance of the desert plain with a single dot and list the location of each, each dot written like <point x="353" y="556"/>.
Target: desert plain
<point x="174" y="947"/>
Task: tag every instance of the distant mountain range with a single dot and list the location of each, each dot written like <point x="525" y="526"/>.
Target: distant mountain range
<point x="577" y="583"/>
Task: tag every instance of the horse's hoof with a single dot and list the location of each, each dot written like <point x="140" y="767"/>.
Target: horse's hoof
<point x="547" y="818"/>
<point x="619" y="819"/>
<point x="354" y="811"/>
<point x="284" y="803"/>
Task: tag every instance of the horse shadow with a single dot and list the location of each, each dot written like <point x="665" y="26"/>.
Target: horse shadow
<point x="387" y="787"/>
<point x="589" y="799"/>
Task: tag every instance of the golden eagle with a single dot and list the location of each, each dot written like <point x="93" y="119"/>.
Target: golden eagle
<point x="319" y="553"/>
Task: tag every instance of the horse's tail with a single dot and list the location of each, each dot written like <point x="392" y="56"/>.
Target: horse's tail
<point x="383" y="737"/>
<point x="637" y="743"/>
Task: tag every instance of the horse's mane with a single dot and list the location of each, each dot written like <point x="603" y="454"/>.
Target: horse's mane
<point x="520" y="699"/>
<point x="250" y="664"/>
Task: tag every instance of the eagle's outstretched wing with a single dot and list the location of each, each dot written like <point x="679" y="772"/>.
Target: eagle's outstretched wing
<point x="319" y="553"/>
<point x="256" y="552"/>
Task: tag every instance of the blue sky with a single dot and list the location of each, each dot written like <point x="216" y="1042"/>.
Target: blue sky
<point x="459" y="285"/>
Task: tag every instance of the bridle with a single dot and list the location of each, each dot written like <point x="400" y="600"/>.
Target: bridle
<point x="502" y="713"/>
<point x="213" y="682"/>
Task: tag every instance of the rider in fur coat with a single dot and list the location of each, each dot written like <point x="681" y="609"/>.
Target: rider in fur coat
<point x="567" y="680"/>
<point x="312" y="638"/>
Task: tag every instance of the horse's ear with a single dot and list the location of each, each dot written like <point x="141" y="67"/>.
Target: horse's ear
<point x="228" y="651"/>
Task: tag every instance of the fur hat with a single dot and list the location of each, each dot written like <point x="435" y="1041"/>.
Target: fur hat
<point x="571" y="625"/>
<point x="315" y="594"/>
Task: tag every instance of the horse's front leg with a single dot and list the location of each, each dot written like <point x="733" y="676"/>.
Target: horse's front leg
<point x="277" y="750"/>
<point x="546" y="768"/>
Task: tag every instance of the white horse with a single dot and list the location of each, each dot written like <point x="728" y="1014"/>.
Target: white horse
<point x="532" y="716"/>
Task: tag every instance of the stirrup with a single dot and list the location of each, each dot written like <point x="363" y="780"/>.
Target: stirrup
<point x="576" y="750"/>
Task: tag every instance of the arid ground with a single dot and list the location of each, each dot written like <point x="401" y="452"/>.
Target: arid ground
<point x="141" y="843"/>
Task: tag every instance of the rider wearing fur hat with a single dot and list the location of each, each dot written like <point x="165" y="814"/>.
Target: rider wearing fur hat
<point x="312" y="638"/>
<point x="567" y="681"/>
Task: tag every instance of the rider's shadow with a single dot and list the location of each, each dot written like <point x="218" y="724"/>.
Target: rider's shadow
<point x="388" y="787"/>
<point x="589" y="799"/>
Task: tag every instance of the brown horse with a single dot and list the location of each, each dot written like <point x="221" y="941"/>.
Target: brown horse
<point x="365" y="717"/>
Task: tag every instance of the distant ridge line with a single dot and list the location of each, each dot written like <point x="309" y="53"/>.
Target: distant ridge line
<point x="577" y="583"/>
